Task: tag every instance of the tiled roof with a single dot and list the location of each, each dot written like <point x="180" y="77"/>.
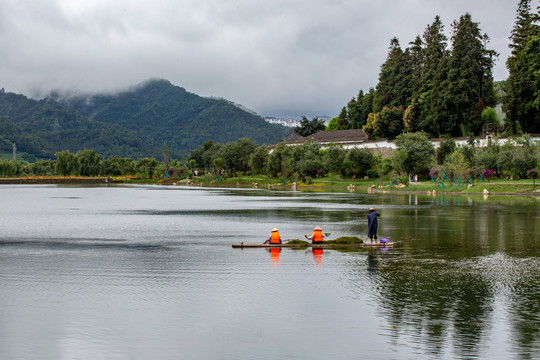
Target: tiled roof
<point x="336" y="136"/>
<point x="292" y="135"/>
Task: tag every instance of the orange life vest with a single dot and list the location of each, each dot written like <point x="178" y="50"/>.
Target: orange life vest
<point x="275" y="238"/>
<point x="317" y="235"/>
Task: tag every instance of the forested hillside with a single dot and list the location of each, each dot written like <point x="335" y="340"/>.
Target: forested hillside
<point x="135" y="123"/>
<point x="161" y="113"/>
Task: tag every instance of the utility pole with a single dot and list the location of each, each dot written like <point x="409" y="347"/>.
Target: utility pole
<point x="14" y="152"/>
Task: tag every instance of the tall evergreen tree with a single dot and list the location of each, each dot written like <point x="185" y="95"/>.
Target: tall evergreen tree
<point x="365" y="107"/>
<point x="353" y="112"/>
<point x="417" y="55"/>
<point x="518" y="103"/>
<point x="433" y="71"/>
<point x="343" y="120"/>
<point x="390" y="90"/>
<point x="470" y="77"/>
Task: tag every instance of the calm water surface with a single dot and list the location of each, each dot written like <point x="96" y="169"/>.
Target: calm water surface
<point x="148" y="272"/>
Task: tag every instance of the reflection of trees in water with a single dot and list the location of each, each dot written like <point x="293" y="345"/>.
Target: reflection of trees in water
<point x="470" y="228"/>
<point x="442" y="304"/>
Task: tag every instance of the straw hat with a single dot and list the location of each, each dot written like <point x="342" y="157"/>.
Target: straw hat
<point x="317" y="228"/>
<point x="371" y="209"/>
<point x="275" y="229"/>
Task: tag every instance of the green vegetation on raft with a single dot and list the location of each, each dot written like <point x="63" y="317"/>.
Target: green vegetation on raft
<point x="345" y="240"/>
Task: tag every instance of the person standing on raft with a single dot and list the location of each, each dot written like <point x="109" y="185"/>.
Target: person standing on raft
<point x="372" y="224"/>
<point x="316" y="236"/>
<point x="274" y="237"/>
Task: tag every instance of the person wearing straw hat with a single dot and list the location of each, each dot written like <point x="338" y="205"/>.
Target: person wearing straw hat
<point x="316" y="236"/>
<point x="372" y="224"/>
<point x="274" y="237"/>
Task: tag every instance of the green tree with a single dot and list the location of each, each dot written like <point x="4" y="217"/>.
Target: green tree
<point x="522" y="65"/>
<point x="115" y="166"/>
<point x="470" y="79"/>
<point x="42" y="168"/>
<point x="489" y="115"/>
<point x="259" y="159"/>
<point x="393" y="87"/>
<point x="66" y="163"/>
<point x="433" y="71"/>
<point x="307" y="127"/>
<point x="360" y="161"/>
<point x="334" y="158"/>
<point x="523" y="159"/>
<point x="390" y="122"/>
<point x="147" y="166"/>
<point x="418" y="152"/>
<point x="365" y="107"/>
<point x="372" y="128"/>
<point x="277" y="157"/>
<point x="333" y="124"/>
<point x="446" y="148"/>
<point x="457" y="165"/>
<point x="9" y="168"/>
<point x="343" y="122"/>
<point x="192" y="166"/>
<point x="411" y="117"/>
<point x="89" y="162"/>
<point x="218" y="165"/>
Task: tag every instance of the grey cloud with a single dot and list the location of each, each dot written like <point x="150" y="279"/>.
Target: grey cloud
<point x="277" y="57"/>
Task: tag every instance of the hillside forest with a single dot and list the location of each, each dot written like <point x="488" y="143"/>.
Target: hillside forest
<point x="135" y="123"/>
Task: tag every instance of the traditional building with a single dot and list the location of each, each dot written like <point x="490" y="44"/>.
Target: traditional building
<point x="356" y="138"/>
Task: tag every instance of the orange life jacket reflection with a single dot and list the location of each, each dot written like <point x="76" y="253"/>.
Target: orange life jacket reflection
<point x="275" y="238"/>
<point x="274" y="255"/>
<point x="317" y="235"/>
<point x="317" y="255"/>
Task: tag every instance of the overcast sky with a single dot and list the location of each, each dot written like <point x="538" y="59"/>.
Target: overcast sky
<point x="277" y="57"/>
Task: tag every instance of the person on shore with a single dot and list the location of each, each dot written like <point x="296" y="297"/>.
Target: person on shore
<point x="274" y="237"/>
<point x="372" y="224"/>
<point x="317" y="236"/>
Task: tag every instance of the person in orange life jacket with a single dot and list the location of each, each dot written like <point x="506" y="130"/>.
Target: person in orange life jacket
<point x="274" y="237"/>
<point x="316" y="236"/>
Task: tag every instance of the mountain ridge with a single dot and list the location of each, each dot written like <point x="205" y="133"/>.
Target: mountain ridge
<point x="137" y="122"/>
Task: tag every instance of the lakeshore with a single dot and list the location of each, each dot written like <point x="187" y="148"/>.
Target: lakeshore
<point x="522" y="187"/>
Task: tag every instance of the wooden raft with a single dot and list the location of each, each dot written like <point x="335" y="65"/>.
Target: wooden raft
<point x="317" y="246"/>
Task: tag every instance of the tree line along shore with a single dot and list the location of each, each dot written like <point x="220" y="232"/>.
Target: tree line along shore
<point x="415" y="165"/>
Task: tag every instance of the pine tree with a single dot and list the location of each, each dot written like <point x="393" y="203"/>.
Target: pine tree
<point x="391" y="78"/>
<point x="434" y="72"/>
<point x="365" y="107"/>
<point x="470" y="79"/>
<point x="518" y="102"/>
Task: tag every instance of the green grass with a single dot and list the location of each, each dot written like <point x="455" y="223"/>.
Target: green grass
<point x="333" y="183"/>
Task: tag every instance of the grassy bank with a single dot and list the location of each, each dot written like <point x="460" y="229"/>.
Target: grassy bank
<point x="337" y="183"/>
<point x="327" y="183"/>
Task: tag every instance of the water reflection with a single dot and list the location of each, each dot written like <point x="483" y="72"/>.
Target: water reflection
<point x="453" y="306"/>
<point x="152" y="269"/>
<point x="274" y="255"/>
<point x="318" y="256"/>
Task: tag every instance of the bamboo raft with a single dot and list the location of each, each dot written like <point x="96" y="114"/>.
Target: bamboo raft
<point x="316" y="246"/>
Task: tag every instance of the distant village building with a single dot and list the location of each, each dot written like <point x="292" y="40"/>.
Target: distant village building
<point x="356" y="138"/>
<point x="292" y="136"/>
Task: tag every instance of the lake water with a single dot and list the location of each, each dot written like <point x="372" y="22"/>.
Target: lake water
<point x="148" y="272"/>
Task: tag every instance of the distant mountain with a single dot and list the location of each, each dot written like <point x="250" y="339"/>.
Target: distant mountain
<point x="134" y="123"/>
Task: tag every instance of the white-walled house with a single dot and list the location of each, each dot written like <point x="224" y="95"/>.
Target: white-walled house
<point x="356" y="138"/>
